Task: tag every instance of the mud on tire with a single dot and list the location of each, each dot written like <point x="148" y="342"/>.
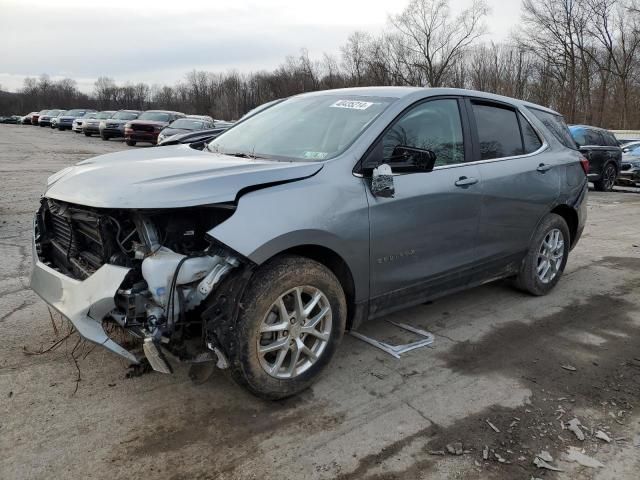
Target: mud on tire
<point x="270" y="282"/>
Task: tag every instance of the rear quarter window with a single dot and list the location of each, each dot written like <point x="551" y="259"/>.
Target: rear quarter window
<point x="556" y="125"/>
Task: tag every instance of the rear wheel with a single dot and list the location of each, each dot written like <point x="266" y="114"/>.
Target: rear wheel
<point x="544" y="263"/>
<point x="87" y="134"/>
<point x="608" y="178"/>
<point x="131" y="143"/>
<point x="104" y="136"/>
<point x="294" y="318"/>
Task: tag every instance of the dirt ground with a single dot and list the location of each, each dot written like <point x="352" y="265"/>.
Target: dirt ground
<point x="502" y="359"/>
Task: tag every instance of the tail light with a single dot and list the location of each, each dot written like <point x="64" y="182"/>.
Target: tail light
<point x="584" y="162"/>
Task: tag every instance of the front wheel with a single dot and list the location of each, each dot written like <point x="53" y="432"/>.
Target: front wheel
<point x="104" y="136"/>
<point x="294" y="318"/>
<point x="87" y="134"/>
<point x="607" y="180"/>
<point x="131" y="143"/>
<point x="544" y="263"/>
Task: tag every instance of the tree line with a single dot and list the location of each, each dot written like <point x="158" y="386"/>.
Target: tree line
<point x="580" y="57"/>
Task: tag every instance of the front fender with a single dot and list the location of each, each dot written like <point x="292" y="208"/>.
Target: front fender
<point x="307" y="212"/>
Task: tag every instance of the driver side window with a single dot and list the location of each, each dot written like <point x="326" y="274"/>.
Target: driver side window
<point x="433" y="125"/>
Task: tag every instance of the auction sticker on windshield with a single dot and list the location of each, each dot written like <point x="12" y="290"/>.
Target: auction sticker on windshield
<point x="352" y="104"/>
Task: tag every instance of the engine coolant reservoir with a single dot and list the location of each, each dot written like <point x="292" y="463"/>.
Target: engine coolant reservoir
<point x="158" y="271"/>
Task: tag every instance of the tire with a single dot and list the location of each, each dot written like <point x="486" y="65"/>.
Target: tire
<point x="87" y="134"/>
<point x="281" y="278"/>
<point x="131" y="143"/>
<point x="61" y="128"/>
<point x="608" y="178"/>
<point x="104" y="136"/>
<point x="528" y="278"/>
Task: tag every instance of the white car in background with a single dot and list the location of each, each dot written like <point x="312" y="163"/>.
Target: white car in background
<point x="78" y="124"/>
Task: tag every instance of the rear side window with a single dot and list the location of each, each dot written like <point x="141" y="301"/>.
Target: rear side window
<point x="529" y="136"/>
<point x="498" y="131"/>
<point x="610" y="139"/>
<point x="593" y="137"/>
<point x="556" y="125"/>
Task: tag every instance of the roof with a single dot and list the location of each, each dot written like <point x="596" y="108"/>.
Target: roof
<point x="402" y="92"/>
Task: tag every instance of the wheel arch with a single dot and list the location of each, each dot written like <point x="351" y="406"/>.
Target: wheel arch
<point x="570" y="216"/>
<point x="338" y="266"/>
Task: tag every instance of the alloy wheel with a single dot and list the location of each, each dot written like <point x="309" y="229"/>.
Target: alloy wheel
<point x="550" y="256"/>
<point x="295" y="332"/>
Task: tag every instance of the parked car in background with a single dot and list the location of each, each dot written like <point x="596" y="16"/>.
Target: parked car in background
<point x="11" y="119"/>
<point x="114" y="126"/>
<point x="78" y="124"/>
<point x="26" y="120"/>
<point x="306" y="219"/>
<point x="187" y="124"/>
<point x="35" y="117"/>
<point x="628" y="147"/>
<point x="630" y="169"/>
<point x="54" y="120"/>
<point x="196" y="139"/>
<point x="45" y="118"/>
<point x="92" y="125"/>
<point x="601" y="148"/>
<point x="65" y="122"/>
<point x="148" y="126"/>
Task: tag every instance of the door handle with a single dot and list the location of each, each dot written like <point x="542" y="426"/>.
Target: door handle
<point x="544" y="168"/>
<point x="466" y="181"/>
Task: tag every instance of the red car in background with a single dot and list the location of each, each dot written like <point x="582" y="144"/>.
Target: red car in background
<point x="36" y="116"/>
<point x="148" y="125"/>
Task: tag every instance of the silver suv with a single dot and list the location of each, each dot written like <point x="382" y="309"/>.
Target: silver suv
<point x="306" y="219"/>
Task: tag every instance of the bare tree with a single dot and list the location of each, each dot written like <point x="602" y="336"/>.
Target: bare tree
<point x="434" y="39"/>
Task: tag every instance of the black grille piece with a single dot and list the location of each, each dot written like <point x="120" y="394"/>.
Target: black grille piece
<point x="76" y="241"/>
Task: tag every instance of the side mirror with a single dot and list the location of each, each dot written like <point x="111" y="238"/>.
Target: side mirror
<point x="382" y="182"/>
<point x="410" y="159"/>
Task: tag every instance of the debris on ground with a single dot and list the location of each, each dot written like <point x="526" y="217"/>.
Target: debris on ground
<point x="436" y="452"/>
<point x="571" y="368"/>
<point x="546" y="456"/>
<point x="540" y="463"/>
<point x="574" y="425"/>
<point x="485" y="453"/>
<point x="576" y="455"/>
<point x="455" y="448"/>
<point x="495" y="429"/>
<point x="603" y="436"/>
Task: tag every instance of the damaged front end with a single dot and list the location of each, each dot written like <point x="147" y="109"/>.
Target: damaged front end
<point x="150" y="272"/>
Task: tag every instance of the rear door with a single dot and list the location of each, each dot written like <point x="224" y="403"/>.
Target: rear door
<point x="520" y="183"/>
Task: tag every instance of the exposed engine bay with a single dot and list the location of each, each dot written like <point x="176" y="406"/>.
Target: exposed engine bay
<point x="174" y="267"/>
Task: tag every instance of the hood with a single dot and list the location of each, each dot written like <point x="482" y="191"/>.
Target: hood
<point x="167" y="132"/>
<point x="149" y="122"/>
<point x="168" y="177"/>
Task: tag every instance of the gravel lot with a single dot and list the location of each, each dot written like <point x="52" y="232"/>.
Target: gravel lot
<point x="497" y="357"/>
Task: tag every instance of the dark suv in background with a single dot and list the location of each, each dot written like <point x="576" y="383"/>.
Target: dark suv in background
<point x="148" y="126"/>
<point x="602" y="150"/>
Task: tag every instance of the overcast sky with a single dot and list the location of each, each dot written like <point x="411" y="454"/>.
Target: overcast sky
<point x="158" y="41"/>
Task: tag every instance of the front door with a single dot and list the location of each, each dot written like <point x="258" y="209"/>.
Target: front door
<point x="423" y="240"/>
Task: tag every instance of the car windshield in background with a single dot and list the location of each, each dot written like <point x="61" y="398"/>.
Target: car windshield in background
<point x="103" y="115"/>
<point x="63" y="112"/>
<point x="156" y="116"/>
<point x="188" y="123"/>
<point x="312" y="128"/>
<point x="125" y="116"/>
<point x="76" y="113"/>
<point x="53" y="113"/>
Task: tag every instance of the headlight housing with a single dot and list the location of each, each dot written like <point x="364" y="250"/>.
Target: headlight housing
<point x="127" y="125"/>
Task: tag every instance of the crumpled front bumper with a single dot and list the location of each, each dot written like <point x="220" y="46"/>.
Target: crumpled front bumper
<point x="85" y="303"/>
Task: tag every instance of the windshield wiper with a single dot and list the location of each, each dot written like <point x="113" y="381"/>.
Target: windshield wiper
<point x="243" y="155"/>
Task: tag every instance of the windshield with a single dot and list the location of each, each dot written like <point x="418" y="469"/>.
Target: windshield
<point x="188" y="124"/>
<point x="125" y="115"/>
<point x="63" y="112"/>
<point x="308" y="128"/>
<point x="103" y="115"/>
<point x="53" y="113"/>
<point x="157" y="116"/>
<point x="76" y="113"/>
